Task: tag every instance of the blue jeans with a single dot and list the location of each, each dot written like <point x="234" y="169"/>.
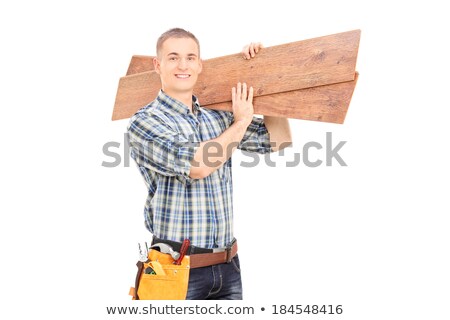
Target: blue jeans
<point x="218" y="282"/>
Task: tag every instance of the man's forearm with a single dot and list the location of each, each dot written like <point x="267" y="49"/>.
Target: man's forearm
<point x="212" y="154"/>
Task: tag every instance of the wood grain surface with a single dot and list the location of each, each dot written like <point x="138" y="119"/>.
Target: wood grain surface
<point x="324" y="103"/>
<point x="140" y="64"/>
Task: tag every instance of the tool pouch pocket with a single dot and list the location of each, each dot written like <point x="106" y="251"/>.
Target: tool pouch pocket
<point x="167" y="281"/>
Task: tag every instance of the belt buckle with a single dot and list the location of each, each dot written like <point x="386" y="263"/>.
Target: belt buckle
<point x="229" y="249"/>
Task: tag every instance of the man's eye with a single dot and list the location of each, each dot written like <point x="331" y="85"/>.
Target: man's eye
<point x="172" y="58"/>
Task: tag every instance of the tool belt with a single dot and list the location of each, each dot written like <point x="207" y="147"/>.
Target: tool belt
<point x="165" y="273"/>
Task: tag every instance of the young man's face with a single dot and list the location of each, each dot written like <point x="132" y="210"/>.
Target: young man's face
<point x="178" y="64"/>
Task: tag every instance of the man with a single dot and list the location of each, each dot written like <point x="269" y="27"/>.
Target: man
<point x="183" y="151"/>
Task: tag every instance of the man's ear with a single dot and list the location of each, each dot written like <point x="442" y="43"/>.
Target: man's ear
<point x="156" y="65"/>
<point x="200" y="61"/>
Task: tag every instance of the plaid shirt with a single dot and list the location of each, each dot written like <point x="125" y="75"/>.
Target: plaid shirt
<point x="164" y="137"/>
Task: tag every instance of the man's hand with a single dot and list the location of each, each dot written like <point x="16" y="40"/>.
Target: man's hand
<point x="242" y="104"/>
<point x="250" y="50"/>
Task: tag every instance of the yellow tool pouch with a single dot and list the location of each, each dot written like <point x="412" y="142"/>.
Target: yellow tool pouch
<point x="168" y="281"/>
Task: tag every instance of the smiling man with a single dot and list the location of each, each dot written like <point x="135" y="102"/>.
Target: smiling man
<point x="183" y="152"/>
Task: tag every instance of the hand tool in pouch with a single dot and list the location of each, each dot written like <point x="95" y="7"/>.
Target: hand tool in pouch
<point x="183" y="250"/>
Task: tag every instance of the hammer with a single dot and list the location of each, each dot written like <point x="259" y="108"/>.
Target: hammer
<point x="165" y="248"/>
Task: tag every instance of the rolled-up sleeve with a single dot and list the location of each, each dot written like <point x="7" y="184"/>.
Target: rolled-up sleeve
<point x="158" y="147"/>
<point x="256" y="138"/>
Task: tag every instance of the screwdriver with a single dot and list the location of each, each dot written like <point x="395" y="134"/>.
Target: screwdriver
<point x="183" y="250"/>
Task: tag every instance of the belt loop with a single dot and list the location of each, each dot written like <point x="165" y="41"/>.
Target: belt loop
<point x="229" y="250"/>
<point x="229" y="257"/>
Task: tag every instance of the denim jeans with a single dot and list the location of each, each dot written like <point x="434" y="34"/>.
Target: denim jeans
<point x="218" y="282"/>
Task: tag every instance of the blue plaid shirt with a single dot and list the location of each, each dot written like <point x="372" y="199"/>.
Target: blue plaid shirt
<point x="164" y="137"/>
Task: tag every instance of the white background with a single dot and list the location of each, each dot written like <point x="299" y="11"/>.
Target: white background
<point x="372" y="236"/>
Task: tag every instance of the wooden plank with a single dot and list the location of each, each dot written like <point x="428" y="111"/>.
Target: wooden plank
<point x="140" y="64"/>
<point x="297" y="65"/>
<point x="133" y="93"/>
<point x="324" y="103"/>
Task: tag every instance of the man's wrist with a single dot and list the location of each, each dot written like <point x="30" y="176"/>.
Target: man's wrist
<point x="241" y="125"/>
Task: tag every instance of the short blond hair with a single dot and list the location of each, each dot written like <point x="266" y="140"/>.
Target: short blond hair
<point x="175" y="33"/>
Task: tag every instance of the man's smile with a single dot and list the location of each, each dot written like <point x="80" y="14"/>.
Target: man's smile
<point x="182" y="76"/>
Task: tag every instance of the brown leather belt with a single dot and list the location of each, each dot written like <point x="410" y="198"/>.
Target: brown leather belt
<point x="208" y="259"/>
<point x="200" y="257"/>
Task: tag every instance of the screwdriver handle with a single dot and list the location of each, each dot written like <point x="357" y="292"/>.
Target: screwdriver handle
<point x="183" y="250"/>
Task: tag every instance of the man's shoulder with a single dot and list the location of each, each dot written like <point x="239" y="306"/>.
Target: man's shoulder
<point x="150" y="111"/>
<point x="149" y="116"/>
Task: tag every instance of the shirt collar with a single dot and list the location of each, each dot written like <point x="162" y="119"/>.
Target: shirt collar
<point x="195" y="105"/>
<point x="176" y="106"/>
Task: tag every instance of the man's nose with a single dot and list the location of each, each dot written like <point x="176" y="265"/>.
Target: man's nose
<point x="182" y="64"/>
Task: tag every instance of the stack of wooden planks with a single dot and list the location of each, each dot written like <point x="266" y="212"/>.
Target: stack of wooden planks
<point x="312" y="79"/>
